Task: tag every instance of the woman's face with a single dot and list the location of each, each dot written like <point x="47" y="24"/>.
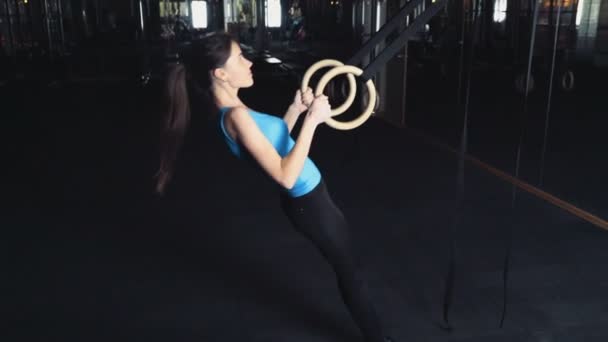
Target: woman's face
<point x="237" y="70"/>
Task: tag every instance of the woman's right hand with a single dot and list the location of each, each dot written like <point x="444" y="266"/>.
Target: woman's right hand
<point x="319" y="110"/>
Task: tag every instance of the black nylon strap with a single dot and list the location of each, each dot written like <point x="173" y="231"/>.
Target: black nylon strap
<point x="391" y="50"/>
<point x="509" y="239"/>
<point x="381" y="35"/>
<point x="548" y="110"/>
<point x="464" y="141"/>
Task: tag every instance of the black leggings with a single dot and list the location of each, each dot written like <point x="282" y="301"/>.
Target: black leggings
<point x="317" y="217"/>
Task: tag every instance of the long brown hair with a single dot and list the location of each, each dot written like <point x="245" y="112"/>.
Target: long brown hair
<point x="191" y="74"/>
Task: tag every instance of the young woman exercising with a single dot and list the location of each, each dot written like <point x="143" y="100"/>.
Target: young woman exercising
<point x="218" y="69"/>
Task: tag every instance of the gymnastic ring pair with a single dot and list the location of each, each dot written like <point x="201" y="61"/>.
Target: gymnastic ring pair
<point x="338" y="69"/>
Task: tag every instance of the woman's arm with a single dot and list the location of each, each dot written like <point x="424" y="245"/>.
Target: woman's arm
<point x="291" y="116"/>
<point x="300" y="104"/>
<point x="284" y="170"/>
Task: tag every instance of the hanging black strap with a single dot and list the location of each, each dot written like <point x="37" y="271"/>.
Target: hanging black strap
<point x="548" y="109"/>
<point x="397" y="44"/>
<point x="386" y="29"/>
<point x="509" y="239"/>
<point x="464" y="138"/>
<point x="395" y="47"/>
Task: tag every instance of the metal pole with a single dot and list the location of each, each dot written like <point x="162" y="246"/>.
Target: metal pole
<point x="61" y="29"/>
<point x="373" y="23"/>
<point x="403" y="102"/>
<point x="97" y="16"/>
<point x="10" y="27"/>
<point x="30" y="22"/>
<point x="17" y="23"/>
<point x="133" y="17"/>
<point x="47" y="21"/>
<point x="85" y="19"/>
<point x="260" y="34"/>
<point x="555" y="38"/>
<point x="527" y="90"/>
<point x="461" y="57"/>
<point x="140" y="15"/>
<point x="189" y="2"/>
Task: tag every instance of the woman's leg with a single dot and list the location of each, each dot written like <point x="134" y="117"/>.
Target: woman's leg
<point x="318" y="218"/>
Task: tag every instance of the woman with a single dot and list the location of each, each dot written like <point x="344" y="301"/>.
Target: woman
<point x="218" y="70"/>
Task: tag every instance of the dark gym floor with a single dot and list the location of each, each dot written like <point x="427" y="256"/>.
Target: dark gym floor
<point x="93" y="255"/>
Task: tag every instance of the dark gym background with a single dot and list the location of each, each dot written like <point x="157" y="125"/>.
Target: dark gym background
<point x="476" y="192"/>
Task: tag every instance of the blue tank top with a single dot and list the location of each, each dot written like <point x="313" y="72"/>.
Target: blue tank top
<point x="277" y="133"/>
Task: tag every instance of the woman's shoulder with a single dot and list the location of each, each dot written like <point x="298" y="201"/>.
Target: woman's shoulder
<point x="237" y="115"/>
<point x="233" y="109"/>
<point x="240" y="112"/>
<point x="234" y="112"/>
<point x="246" y="111"/>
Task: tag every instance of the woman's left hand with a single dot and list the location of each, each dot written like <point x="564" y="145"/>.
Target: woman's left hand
<point x="301" y="102"/>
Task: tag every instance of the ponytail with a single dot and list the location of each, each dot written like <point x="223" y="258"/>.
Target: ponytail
<point x="202" y="57"/>
<point x="174" y="123"/>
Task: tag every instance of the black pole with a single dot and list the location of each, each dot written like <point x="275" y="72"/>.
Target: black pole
<point x="47" y="21"/>
<point x="461" y="59"/>
<point x="18" y="24"/>
<point x="10" y="27"/>
<point x="134" y="17"/>
<point x="403" y="98"/>
<point x="509" y="239"/>
<point x="527" y="90"/>
<point x="28" y="12"/>
<point x="189" y="2"/>
<point x="61" y="28"/>
<point x="555" y="38"/>
<point x="260" y="33"/>
<point x="464" y="138"/>
<point x="474" y="32"/>
<point x="85" y="19"/>
<point x="142" y="22"/>
<point x="97" y="16"/>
